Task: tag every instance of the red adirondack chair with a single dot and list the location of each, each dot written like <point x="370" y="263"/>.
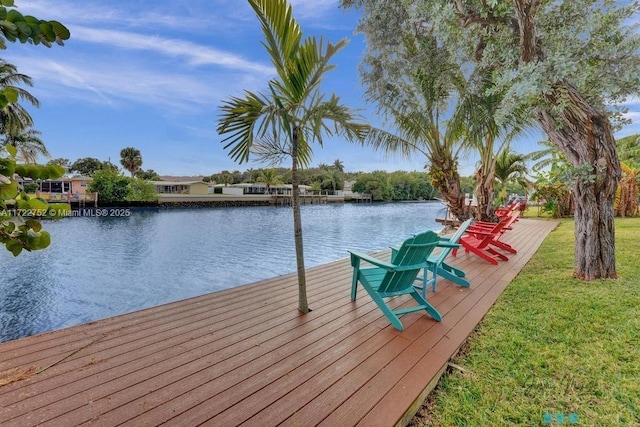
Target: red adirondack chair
<point x="483" y="241"/>
<point x="485" y="226"/>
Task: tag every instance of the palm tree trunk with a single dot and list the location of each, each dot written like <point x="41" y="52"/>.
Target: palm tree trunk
<point x="303" y="305"/>
<point x="484" y="194"/>
<point x="443" y="171"/>
<point x="585" y="136"/>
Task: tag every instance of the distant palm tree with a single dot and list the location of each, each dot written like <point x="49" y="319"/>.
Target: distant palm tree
<point x="269" y="177"/>
<point x="27" y="142"/>
<point x="131" y="160"/>
<point x="339" y="165"/>
<point x="284" y="121"/>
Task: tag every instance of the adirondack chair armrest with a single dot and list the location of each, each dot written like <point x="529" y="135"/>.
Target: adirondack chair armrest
<point x="357" y="256"/>
<point x="410" y="267"/>
<point x="443" y="244"/>
<point x="481" y="232"/>
<point x="486" y="225"/>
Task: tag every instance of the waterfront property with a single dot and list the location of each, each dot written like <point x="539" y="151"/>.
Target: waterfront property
<point x="247" y="356"/>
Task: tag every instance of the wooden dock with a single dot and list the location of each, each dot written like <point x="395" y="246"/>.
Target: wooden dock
<point x="246" y="356"/>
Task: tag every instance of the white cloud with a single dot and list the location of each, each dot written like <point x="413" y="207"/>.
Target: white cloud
<point x="313" y="8"/>
<point x="99" y="83"/>
<point x="194" y="54"/>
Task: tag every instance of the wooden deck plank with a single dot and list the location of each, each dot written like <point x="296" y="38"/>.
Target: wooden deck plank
<point x="245" y="355"/>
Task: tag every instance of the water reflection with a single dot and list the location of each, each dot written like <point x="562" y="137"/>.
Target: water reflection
<point x="101" y="267"/>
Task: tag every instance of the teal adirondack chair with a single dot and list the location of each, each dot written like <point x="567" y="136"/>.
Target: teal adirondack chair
<point x="388" y="279"/>
<point x="436" y="265"/>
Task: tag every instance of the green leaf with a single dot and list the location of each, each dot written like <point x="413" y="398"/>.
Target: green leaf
<point x="59" y="210"/>
<point x="8" y="3"/>
<point x="44" y="240"/>
<point x="55" y="171"/>
<point x="34" y="224"/>
<point x="38" y="205"/>
<point x="7" y="166"/>
<point x="14" y="247"/>
<point x="14" y="16"/>
<point x="11" y="149"/>
<point x="7" y="25"/>
<point x="20" y="169"/>
<point x="9" y="191"/>
<point x="60" y="30"/>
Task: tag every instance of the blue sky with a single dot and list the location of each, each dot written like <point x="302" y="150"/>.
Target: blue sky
<point x="152" y="74"/>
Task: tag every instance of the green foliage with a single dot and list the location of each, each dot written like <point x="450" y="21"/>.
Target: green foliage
<point x="110" y="186"/>
<point x="148" y="175"/>
<point x="142" y="191"/>
<point x="87" y="166"/>
<point x="628" y="149"/>
<point x="555" y="198"/>
<point x="131" y="159"/>
<point x="399" y="185"/>
<point x="17" y="232"/>
<point x="30" y="187"/>
<point x="60" y="161"/>
<point x="28" y="29"/>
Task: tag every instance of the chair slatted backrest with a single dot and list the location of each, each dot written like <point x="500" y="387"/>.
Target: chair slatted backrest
<point x="413" y="252"/>
<point x="492" y="234"/>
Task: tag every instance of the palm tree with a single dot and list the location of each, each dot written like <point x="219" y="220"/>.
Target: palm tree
<point x="293" y="113"/>
<point x="338" y="165"/>
<point x="269" y="177"/>
<point x="415" y="101"/>
<point x="474" y="120"/>
<point x="131" y="159"/>
<point x="510" y="167"/>
<point x="14" y="117"/>
<point x="27" y="142"/>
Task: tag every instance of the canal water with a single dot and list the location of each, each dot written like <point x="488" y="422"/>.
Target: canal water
<point x="98" y="267"/>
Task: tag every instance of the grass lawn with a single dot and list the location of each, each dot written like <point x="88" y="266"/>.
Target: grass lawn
<point x="552" y="347"/>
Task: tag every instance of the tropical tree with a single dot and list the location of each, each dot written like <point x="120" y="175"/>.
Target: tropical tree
<point x="110" y="186"/>
<point x="141" y="190"/>
<point x="149" y="175"/>
<point x="414" y="101"/>
<point x="14" y="117"/>
<point x="27" y="142"/>
<point x="131" y="160"/>
<point x="269" y="177"/>
<point x="474" y="121"/>
<point x="86" y="166"/>
<point x="570" y="64"/>
<point x="65" y="163"/>
<point x="338" y="165"/>
<point x="510" y="167"/>
<point x="293" y="113"/>
<point x="332" y="180"/>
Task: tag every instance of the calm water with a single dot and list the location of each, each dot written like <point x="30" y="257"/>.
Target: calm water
<point x="101" y="267"/>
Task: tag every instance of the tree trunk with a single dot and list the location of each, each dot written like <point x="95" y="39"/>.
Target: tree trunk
<point x="484" y="195"/>
<point x="445" y="178"/>
<point x="584" y="135"/>
<point x="303" y="305"/>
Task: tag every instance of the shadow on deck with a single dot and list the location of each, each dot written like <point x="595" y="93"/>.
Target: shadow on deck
<point x="247" y="356"/>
